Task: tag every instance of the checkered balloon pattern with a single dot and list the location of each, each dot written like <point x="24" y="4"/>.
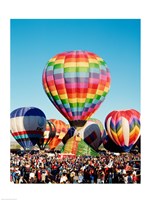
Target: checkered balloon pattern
<point x="76" y="82"/>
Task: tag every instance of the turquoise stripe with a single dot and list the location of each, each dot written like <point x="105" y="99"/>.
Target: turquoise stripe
<point x="59" y="102"/>
<point x="66" y="105"/>
<point x="103" y="67"/>
<point x="49" y="68"/>
<point x="102" y="98"/>
<point x="87" y="105"/>
<point x="95" y="101"/>
<point x="75" y="109"/>
<point x="21" y="136"/>
<point x="58" y="71"/>
<point x="28" y="136"/>
<point x="76" y="75"/>
<point x="95" y="70"/>
<point x="80" y="109"/>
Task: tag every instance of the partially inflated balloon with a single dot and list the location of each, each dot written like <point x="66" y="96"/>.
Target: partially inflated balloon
<point x="47" y="136"/>
<point x="92" y="133"/>
<point x="76" y="145"/>
<point x="69" y="134"/>
<point x="27" y="125"/>
<point x="123" y="127"/>
<point x="102" y="130"/>
<point x="76" y="82"/>
<point x="61" y="129"/>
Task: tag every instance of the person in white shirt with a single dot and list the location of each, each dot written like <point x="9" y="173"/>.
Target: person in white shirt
<point x="63" y="178"/>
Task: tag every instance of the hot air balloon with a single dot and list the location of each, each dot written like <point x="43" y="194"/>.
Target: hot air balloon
<point x="69" y="134"/>
<point x="123" y="128"/>
<point x="47" y="136"/>
<point x="61" y="129"/>
<point x="27" y="125"/>
<point x="76" y="145"/>
<point x="92" y="133"/>
<point x="102" y="130"/>
<point x="76" y="82"/>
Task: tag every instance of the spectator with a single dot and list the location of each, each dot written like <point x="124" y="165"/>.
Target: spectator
<point x="106" y="168"/>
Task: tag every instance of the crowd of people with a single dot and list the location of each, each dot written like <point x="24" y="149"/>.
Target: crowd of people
<point x="48" y="168"/>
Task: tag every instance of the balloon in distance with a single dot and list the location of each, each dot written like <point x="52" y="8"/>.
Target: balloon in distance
<point x="123" y="128"/>
<point x="27" y="125"/>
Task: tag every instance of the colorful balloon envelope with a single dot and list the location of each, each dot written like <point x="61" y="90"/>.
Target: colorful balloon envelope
<point x="48" y="135"/>
<point x="92" y="133"/>
<point x="27" y="125"/>
<point x="123" y="128"/>
<point x="77" y="146"/>
<point x="102" y="130"/>
<point x="61" y="128"/>
<point x="76" y="82"/>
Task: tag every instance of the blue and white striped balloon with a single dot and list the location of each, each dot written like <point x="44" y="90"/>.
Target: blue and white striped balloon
<point x="27" y="125"/>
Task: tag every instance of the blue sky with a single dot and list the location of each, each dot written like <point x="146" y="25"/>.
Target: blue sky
<point x="34" y="42"/>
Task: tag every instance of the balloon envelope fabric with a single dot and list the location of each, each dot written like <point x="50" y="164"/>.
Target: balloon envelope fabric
<point x="92" y="134"/>
<point x="123" y="127"/>
<point x="48" y="135"/>
<point x="27" y="125"/>
<point x="77" y="146"/>
<point x="76" y="82"/>
<point x="102" y="130"/>
<point x="61" y="129"/>
<point x="69" y="134"/>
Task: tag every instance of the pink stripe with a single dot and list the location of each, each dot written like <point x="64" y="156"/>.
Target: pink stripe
<point x="93" y="80"/>
<point x="75" y="117"/>
<point x="67" y="114"/>
<point x="108" y="74"/>
<point x="59" y="81"/>
<point x="70" y="85"/>
<point x="82" y="85"/>
<point x="90" y="112"/>
<point x="84" y="115"/>
<point x="103" y="77"/>
<point x="76" y="85"/>
<point x="49" y="78"/>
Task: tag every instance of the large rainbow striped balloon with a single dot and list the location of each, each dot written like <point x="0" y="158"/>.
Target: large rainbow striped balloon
<point x="123" y="128"/>
<point x="76" y="82"/>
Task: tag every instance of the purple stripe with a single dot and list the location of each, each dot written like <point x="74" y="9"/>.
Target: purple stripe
<point x="103" y="72"/>
<point x="72" y="80"/>
<point x="86" y="109"/>
<point x="50" y="72"/>
<point x="92" y="106"/>
<point x="94" y="75"/>
<point x="58" y="76"/>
